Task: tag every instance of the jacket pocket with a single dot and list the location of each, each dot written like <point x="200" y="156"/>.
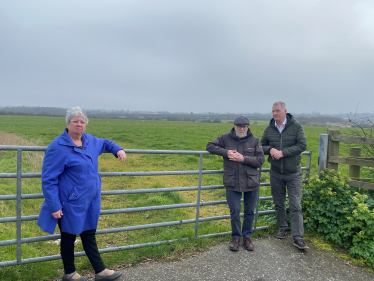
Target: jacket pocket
<point x="73" y="195"/>
<point x="249" y="151"/>
<point x="292" y="164"/>
<point x="77" y="193"/>
<point x="253" y="179"/>
<point x="79" y="200"/>
<point x="229" y="178"/>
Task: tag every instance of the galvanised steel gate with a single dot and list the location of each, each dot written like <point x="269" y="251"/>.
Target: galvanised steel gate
<point x="19" y="197"/>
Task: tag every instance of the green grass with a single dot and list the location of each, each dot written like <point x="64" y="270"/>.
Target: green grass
<point x="130" y="134"/>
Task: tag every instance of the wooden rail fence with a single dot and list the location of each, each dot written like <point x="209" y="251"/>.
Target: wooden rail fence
<point x="329" y="156"/>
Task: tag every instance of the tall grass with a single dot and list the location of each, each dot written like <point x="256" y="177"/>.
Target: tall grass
<point x="33" y="158"/>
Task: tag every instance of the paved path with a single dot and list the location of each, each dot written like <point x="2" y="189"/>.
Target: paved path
<point x="272" y="260"/>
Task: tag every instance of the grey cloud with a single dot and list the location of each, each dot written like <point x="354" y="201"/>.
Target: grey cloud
<point x="200" y="56"/>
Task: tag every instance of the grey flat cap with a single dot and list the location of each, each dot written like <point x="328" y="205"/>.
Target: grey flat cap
<point x="241" y="120"/>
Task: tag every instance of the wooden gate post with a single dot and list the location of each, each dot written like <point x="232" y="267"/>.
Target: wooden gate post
<point x="354" y="171"/>
<point x="333" y="149"/>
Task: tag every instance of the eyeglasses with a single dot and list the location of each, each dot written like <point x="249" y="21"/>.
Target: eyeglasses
<point x="75" y="122"/>
<point x="242" y="127"/>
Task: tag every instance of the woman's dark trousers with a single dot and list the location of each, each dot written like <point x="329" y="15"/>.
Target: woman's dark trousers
<point x="89" y="245"/>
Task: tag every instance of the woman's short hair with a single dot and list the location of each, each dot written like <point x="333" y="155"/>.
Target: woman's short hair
<point x="75" y="111"/>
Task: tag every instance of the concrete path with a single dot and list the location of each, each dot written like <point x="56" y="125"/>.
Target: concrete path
<point x="272" y="260"/>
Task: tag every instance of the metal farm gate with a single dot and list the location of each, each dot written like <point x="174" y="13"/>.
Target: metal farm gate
<point x="19" y="175"/>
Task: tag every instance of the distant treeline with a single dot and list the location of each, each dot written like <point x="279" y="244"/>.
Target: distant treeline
<point x="42" y="113"/>
<point x="121" y="114"/>
<point x="29" y="110"/>
<point x="314" y="119"/>
<point x="320" y="121"/>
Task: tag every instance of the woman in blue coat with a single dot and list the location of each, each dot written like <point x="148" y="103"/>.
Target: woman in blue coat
<point x="72" y="191"/>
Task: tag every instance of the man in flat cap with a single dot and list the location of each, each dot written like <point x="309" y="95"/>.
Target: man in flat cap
<point x="242" y="155"/>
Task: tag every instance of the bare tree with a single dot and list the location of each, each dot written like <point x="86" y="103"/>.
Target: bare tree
<point x="362" y="127"/>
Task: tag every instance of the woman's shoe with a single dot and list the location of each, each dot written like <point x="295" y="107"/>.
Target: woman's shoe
<point x="106" y="277"/>
<point x="69" y="277"/>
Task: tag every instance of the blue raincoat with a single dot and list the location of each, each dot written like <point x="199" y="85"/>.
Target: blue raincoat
<point x="71" y="183"/>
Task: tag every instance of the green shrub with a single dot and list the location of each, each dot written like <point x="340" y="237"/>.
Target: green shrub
<point x="344" y="215"/>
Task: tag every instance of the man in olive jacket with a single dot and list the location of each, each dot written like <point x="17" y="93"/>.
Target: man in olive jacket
<point x="242" y="155"/>
<point x="284" y="140"/>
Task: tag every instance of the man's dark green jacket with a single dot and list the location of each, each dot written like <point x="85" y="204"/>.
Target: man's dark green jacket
<point x="292" y="142"/>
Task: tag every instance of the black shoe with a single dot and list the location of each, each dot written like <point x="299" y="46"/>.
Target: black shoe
<point x="299" y="243"/>
<point x="281" y="234"/>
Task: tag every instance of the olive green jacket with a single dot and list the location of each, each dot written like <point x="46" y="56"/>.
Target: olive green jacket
<point x="292" y="142"/>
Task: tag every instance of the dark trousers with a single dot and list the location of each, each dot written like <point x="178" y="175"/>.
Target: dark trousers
<point x="294" y="183"/>
<point x="89" y="245"/>
<point x="233" y="199"/>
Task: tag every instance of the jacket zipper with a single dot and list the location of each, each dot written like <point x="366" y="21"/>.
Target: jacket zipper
<point x="238" y="170"/>
<point x="280" y="144"/>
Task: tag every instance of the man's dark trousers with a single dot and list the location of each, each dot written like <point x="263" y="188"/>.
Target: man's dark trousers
<point x="294" y="184"/>
<point x="233" y="200"/>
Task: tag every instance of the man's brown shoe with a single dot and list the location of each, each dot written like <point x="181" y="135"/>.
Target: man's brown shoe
<point x="248" y="245"/>
<point x="234" y="244"/>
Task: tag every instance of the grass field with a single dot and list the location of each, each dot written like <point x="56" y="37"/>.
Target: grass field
<point x="130" y="134"/>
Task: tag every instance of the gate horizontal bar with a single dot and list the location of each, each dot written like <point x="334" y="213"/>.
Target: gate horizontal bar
<point x="131" y="191"/>
<point x="131" y="174"/>
<point x="126" y="228"/>
<point x="138" y="209"/>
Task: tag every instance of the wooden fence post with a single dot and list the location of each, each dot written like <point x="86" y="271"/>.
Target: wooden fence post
<point x="322" y="152"/>
<point x="333" y="149"/>
<point x="354" y="171"/>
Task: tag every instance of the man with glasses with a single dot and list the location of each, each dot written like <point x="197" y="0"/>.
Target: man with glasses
<point x="242" y="155"/>
<point x="284" y="140"/>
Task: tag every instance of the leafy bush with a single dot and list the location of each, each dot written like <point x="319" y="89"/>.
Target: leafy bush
<point x="269" y="220"/>
<point x="343" y="214"/>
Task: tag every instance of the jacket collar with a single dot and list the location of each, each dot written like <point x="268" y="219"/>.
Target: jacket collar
<point x="289" y="117"/>
<point x="65" y="139"/>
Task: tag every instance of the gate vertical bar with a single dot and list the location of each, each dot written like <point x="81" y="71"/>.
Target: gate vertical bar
<point x="308" y="166"/>
<point x="258" y="200"/>
<point x="19" y="192"/>
<point x="198" y="195"/>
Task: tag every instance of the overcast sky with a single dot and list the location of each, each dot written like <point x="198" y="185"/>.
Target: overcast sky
<point x="188" y="56"/>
